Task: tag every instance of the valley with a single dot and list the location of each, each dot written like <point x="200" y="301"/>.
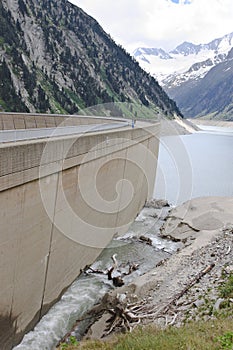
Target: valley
<point x="198" y="77"/>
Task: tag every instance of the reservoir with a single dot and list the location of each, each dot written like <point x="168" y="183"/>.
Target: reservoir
<point x="189" y="166"/>
<point x="196" y="165"/>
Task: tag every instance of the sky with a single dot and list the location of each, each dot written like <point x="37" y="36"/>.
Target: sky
<point x="161" y="23"/>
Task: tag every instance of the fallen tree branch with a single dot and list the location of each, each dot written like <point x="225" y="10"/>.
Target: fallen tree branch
<point x="228" y="250"/>
<point x="195" y="280"/>
<point x="126" y="315"/>
<point x="117" y="280"/>
<point x="133" y="314"/>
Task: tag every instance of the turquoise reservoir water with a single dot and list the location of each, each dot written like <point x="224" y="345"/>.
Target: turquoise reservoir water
<point x="195" y="165"/>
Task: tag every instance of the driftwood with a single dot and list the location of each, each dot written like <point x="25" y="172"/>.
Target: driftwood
<point x="116" y="280"/>
<point x="195" y="280"/>
<point x="147" y="240"/>
<point x="228" y="250"/>
<point x="127" y="316"/>
<point x="106" y="304"/>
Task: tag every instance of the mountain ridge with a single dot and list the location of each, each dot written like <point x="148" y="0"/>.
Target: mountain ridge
<point x="211" y="96"/>
<point x="218" y="47"/>
<point x="188" y="67"/>
<point x="55" y="58"/>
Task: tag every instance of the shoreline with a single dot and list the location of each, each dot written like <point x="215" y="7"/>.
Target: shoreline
<point x="205" y="226"/>
<point x="176" y="126"/>
<point x="212" y="122"/>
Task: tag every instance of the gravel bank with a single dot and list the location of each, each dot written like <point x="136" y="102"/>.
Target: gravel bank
<point x="185" y="286"/>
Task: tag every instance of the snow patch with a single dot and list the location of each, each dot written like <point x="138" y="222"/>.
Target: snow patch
<point x="186" y="62"/>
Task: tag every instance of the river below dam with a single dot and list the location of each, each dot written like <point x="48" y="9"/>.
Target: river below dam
<point x="189" y="166"/>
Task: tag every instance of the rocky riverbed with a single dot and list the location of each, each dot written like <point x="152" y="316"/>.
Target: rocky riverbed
<point x="186" y="286"/>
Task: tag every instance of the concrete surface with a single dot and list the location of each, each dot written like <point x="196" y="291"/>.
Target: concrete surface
<point x="61" y="202"/>
<point x="14" y="121"/>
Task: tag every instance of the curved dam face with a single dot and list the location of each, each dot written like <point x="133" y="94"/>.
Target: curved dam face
<point x="62" y="199"/>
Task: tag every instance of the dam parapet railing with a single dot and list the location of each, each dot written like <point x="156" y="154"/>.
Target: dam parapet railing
<point x="14" y="121"/>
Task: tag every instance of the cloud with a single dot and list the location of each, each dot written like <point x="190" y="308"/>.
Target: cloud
<point x="161" y="23"/>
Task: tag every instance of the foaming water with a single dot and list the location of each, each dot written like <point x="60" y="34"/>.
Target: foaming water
<point x="89" y="288"/>
<point x="79" y="298"/>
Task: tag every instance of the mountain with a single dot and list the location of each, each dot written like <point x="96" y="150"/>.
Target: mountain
<point x="184" y="73"/>
<point x="55" y="58"/>
<point x="210" y="96"/>
<point x="141" y="53"/>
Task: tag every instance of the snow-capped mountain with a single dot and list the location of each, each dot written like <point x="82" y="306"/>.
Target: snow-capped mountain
<point x="141" y="53"/>
<point x="185" y="69"/>
<point x="210" y="96"/>
<point x="186" y="61"/>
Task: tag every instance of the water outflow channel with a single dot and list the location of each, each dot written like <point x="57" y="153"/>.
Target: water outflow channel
<point x="189" y="166"/>
<point x="88" y="289"/>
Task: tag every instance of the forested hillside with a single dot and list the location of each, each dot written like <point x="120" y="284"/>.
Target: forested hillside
<point x="55" y="58"/>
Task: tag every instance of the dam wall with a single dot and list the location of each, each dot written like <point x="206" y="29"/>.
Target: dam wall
<point x="62" y="200"/>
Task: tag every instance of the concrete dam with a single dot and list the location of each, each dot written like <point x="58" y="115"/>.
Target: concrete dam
<point x="68" y="185"/>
